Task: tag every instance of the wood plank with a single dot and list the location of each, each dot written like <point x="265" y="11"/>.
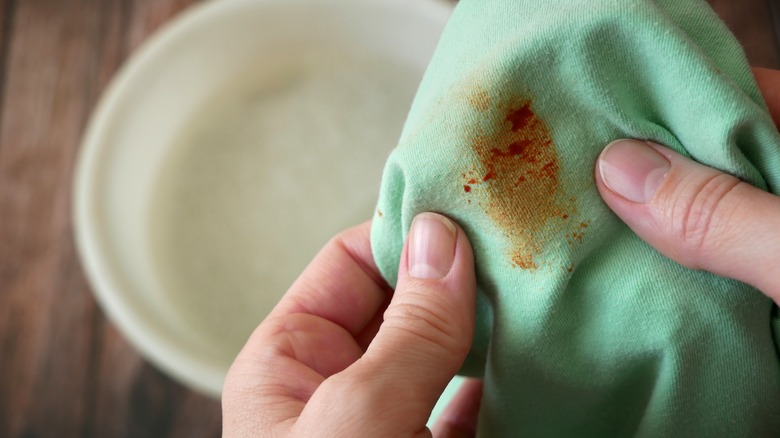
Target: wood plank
<point x="37" y="125"/>
<point x="64" y="366"/>
<point x="751" y="23"/>
<point x="7" y="13"/>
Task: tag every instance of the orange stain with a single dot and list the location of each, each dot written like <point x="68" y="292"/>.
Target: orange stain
<point x="519" y="187"/>
<point x="480" y="100"/>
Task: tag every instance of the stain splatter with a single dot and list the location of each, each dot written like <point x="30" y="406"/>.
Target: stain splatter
<point x="520" y="117"/>
<point x="516" y="179"/>
<point x="523" y="261"/>
<point x="577" y="235"/>
<point x="480" y="100"/>
<point x="379" y="213"/>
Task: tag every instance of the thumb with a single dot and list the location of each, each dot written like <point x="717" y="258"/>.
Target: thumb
<point x="429" y="324"/>
<point x="695" y="215"/>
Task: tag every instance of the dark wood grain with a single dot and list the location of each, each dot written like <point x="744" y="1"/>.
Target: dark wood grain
<point x="64" y="370"/>
<point x="751" y="21"/>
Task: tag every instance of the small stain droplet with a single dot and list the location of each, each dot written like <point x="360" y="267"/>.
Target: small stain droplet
<point x="520" y="117"/>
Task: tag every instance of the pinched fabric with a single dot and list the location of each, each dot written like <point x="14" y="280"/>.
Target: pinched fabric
<point x="583" y="329"/>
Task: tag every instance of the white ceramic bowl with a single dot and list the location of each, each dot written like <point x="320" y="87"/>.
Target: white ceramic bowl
<point x="227" y="151"/>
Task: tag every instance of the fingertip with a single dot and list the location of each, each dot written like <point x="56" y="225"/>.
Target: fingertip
<point x="768" y="81"/>
<point x="430" y="247"/>
<point x="699" y="217"/>
<point x="437" y="249"/>
<point x="428" y="326"/>
<point x="459" y="418"/>
<point x="632" y="169"/>
<point x="437" y="268"/>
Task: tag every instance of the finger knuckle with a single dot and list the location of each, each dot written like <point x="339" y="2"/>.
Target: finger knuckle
<point x="430" y="320"/>
<point x="694" y="210"/>
<point x="358" y="392"/>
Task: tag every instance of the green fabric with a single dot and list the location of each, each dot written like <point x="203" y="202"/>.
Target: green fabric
<point x="583" y="329"/>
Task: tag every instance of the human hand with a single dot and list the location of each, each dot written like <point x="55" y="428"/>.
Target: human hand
<point x="326" y="363"/>
<point x="695" y="215"/>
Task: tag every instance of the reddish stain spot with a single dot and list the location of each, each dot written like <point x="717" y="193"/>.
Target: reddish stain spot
<point x="520" y="117"/>
<point x="521" y="188"/>
<point x="570" y="268"/>
<point x="550" y="170"/>
<point x="514" y="149"/>
<point x="466" y="188"/>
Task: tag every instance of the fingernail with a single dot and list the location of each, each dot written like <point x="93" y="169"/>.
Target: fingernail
<point x="431" y="246"/>
<point x="633" y="169"/>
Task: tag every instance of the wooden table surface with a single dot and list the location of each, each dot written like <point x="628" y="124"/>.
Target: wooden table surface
<point x="64" y="369"/>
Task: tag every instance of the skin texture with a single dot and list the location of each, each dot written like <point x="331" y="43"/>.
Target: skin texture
<point x="344" y="355"/>
<point x="321" y="364"/>
<point x="706" y="219"/>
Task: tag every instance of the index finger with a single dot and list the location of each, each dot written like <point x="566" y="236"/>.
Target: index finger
<point x="768" y="81"/>
<point x="341" y="284"/>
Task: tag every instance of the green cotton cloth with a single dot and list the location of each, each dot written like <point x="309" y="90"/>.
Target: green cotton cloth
<point x="582" y="328"/>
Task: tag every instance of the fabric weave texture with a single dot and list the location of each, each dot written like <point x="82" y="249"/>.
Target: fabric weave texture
<point x="582" y="328"/>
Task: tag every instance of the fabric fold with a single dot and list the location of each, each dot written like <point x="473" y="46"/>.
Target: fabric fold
<point x="582" y="328"/>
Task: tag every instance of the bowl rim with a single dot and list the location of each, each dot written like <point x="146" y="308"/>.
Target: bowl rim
<point x="100" y="268"/>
